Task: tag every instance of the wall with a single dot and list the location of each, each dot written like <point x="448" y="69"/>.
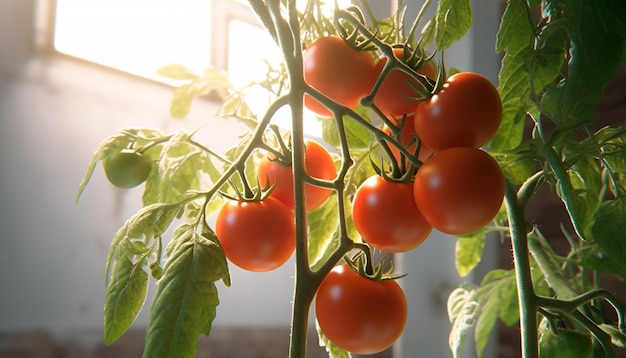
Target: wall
<point x="54" y="112"/>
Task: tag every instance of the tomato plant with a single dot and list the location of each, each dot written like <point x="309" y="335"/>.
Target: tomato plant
<point x="338" y="71"/>
<point x="385" y="214"/>
<point x="533" y="136"/>
<point x="256" y="235"/>
<point x="465" y="112"/>
<point x="459" y="190"/>
<point x="318" y="164"/>
<point x="360" y="314"/>
<point x="126" y="169"/>
<point x="396" y="95"/>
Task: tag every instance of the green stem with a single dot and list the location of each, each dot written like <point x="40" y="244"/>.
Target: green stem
<point x="550" y="270"/>
<point x="564" y="185"/>
<point x="526" y="295"/>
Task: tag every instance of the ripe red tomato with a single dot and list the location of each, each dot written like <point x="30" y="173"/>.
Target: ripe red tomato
<point x="406" y="135"/>
<point x="394" y="95"/>
<point x="256" y="235"/>
<point x="385" y="214"/>
<point x="338" y="71"/>
<point x="126" y="169"/>
<point x="459" y="190"/>
<point x="358" y="314"/>
<point x="466" y="112"/>
<point x="318" y="164"/>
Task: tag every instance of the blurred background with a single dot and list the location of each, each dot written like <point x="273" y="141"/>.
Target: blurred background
<point x="74" y="72"/>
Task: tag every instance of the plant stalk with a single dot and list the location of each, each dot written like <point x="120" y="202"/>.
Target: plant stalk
<point x="525" y="292"/>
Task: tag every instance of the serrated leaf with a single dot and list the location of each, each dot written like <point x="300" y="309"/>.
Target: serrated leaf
<point x="125" y="296"/>
<point x="497" y="296"/>
<point x="186" y="298"/>
<point x="514" y="92"/>
<point x="333" y="350"/>
<point x="122" y="139"/>
<point x="180" y="166"/>
<point x="453" y="19"/>
<point x="469" y="252"/>
<point x="150" y="221"/>
<point x="515" y="31"/>
<point x="462" y="311"/>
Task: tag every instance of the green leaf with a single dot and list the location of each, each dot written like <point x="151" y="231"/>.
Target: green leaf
<point x="515" y="37"/>
<point x="462" y="311"/>
<point x="453" y="20"/>
<point x="515" y="31"/>
<point x="586" y="181"/>
<point x="469" y="252"/>
<point x="597" y="36"/>
<point x="180" y="166"/>
<point x="528" y="59"/>
<point x="177" y="72"/>
<point x="186" y="298"/>
<point x="609" y="231"/>
<point x="151" y="221"/>
<point x="124" y="138"/>
<point x="333" y="350"/>
<point x="517" y="164"/>
<point x="514" y="93"/>
<point x="497" y="296"/>
<point x="323" y="236"/>
<point x="357" y="135"/>
<point x="211" y="79"/>
<point x="125" y="296"/>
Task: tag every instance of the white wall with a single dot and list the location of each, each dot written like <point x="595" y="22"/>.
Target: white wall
<point x="53" y="114"/>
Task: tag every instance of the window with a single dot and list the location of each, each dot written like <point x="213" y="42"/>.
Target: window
<point x="141" y="36"/>
<point x="137" y="36"/>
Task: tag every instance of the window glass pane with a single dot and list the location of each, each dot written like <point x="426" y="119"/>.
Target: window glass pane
<point x="136" y="36"/>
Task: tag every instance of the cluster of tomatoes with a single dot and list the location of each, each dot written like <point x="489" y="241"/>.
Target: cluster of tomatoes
<point x="457" y="189"/>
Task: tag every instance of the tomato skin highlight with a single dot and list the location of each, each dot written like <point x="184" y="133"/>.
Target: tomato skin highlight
<point x="256" y="235"/>
<point x="318" y="164"/>
<point x="338" y="71"/>
<point x="126" y="169"/>
<point x="386" y="216"/>
<point x="358" y="314"/>
<point x="394" y="96"/>
<point x="459" y="190"/>
<point x="466" y="112"/>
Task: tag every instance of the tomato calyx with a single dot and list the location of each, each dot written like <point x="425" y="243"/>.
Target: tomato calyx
<point x="247" y="194"/>
<point x="362" y="264"/>
<point x="402" y="166"/>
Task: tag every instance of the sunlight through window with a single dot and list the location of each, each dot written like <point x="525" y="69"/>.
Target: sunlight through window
<point x="141" y="36"/>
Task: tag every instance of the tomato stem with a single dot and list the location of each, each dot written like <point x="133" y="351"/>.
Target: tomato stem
<point x="525" y="291"/>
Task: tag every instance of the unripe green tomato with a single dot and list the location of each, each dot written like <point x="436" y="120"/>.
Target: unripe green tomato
<point x="565" y="344"/>
<point x="126" y="169"/>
